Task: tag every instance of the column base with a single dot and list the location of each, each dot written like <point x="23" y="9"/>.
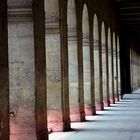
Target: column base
<point x="55" y="121"/>
<point x="88" y="110"/>
<point x="100" y="107"/>
<point x="82" y="116"/>
<point x="42" y="135"/>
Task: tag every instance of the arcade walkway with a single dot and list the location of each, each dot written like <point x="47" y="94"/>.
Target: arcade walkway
<point x="121" y="121"/>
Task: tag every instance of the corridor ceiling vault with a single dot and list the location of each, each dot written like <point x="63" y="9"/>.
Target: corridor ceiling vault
<point x="130" y="15"/>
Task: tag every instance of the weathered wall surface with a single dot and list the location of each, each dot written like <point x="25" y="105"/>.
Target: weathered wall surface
<point x="22" y="76"/>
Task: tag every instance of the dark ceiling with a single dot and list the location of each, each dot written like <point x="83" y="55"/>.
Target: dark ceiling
<point x="130" y="15"/>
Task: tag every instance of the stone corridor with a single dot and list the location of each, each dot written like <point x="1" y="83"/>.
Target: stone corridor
<point x="64" y="65"/>
<point x="120" y="121"/>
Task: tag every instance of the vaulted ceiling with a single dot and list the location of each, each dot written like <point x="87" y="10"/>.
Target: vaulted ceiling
<point x="130" y="15"/>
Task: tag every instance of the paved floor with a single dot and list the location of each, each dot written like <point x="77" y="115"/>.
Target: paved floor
<point x="121" y="121"/>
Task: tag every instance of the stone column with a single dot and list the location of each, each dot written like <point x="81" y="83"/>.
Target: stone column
<point x="96" y="72"/>
<point x="40" y="70"/>
<point x="104" y="68"/>
<point x="80" y="66"/>
<point x="92" y="90"/>
<point x="4" y="73"/>
<point x="112" y="73"/>
<point x="107" y="66"/>
<point x="110" y="64"/>
<point x="117" y="82"/>
<point x="96" y="61"/>
<point x="132" y="73"/>
<point x="86" y="61"/>
<point x="73" y="62"/>
<point x="133" y="70"/>
<point x="73" y="76"/>
<point x="57" y="73"/>
<point x="134" y="63"/>
<point x="22" y="70"/>
<point x="138" y="70"/>
<point x="87" y="74"/>
<point x="100" y="69"/>
<point x="114" y="65"/>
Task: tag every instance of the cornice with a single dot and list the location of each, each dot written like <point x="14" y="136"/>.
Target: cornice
<point x="19" y="10"/>
<point x="20" y="15"/>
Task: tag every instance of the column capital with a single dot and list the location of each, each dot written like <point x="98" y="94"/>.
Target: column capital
<point x="103" y="47"/>
<point x="96" y="44"/>
<point x="86" y="39"/>
<point x="72" y="34"/>
<point x="52" y="24"/>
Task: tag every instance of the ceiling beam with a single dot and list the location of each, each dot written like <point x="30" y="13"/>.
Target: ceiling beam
<point x="130" y="19"/>
<point x="129" y="4"/>
<point x="129" y="14"/>
<point x="132" y="23"/>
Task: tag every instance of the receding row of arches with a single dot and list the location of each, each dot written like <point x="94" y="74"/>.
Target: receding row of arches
<point x="82" y="72"/>
<point x="105" y="64"/>
<point x="105" y="68"/>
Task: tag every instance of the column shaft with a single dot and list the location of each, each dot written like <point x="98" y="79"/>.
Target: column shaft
<point x="4" y="73"/>
<point x="40" y="70"/>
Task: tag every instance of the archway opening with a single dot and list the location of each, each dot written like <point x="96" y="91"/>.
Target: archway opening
<point x="96" y="61"/>
<point x="86" y="62"/>
<point x="73" y="62"/>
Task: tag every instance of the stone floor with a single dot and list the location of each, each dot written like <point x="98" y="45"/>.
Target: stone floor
<point x="121" y="121"/>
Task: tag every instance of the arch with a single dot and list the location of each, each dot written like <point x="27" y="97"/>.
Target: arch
<point x="95" y="27"/>
<point x="71" y="15"/>
<point x="85" y="22"/>
<point x="73" y="61"/>
<point x="86" y="61"/>
<point x="109" y="39"/>
<point x="110" y="63"/>
<point x="104" y="62"/>
<point x="103" y="36"/>
<point x="96" y="60"/>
